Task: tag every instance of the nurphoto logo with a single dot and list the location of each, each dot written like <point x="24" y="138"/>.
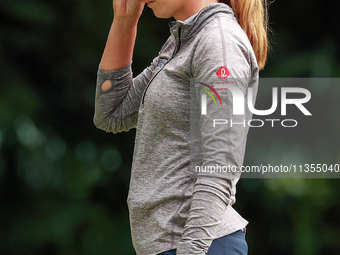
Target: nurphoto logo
<point x="240" y="101"/>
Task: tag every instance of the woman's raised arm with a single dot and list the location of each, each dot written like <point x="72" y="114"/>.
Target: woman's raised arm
<point x="118" y="95"/>
<point x="120" y="42"/>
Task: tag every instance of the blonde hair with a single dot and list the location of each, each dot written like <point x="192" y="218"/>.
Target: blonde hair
<point x="252" y="16"/>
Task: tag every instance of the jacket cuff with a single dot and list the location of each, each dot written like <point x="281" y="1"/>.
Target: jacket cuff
<point x="114" y="74"/>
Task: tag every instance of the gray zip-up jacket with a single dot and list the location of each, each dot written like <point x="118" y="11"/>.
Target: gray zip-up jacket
<point x="171" y="205"/>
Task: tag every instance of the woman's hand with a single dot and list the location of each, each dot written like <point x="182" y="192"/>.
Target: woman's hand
<point x="128" y="9"/>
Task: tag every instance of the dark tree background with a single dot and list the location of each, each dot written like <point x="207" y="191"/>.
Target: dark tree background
<point x="63" y="183"/>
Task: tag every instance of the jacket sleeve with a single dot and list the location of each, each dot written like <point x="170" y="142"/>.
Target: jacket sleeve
<point x="222" y="145"/>
<point x="116" y="109"/>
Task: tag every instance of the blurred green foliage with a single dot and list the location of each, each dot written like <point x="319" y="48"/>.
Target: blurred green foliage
<point x="63" y="183"/>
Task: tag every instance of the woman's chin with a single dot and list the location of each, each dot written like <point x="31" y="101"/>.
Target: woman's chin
<point x="161" y="15"/>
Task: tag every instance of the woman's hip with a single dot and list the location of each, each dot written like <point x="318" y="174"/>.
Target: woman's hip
<point x="232" y="244"/>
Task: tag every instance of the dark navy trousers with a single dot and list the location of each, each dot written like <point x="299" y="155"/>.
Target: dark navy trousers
<point x="232" y="244"/>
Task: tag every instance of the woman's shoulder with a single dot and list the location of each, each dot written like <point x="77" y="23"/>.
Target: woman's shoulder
<point x="224" y="27"/>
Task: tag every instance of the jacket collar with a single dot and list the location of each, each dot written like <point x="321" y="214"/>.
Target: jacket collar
<point x="183" y="31"/>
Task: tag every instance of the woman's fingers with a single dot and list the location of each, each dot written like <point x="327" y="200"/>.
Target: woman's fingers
<point x="128" y="8"/>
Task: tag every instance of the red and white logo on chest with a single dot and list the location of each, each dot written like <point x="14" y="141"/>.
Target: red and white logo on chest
<point x="223" y="72"/>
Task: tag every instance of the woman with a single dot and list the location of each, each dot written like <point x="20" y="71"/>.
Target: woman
<point x="174" y="209"/>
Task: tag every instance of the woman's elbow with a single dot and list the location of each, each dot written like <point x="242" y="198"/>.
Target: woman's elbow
<point x="100" y="123"/>
<point x="114" y="125"/>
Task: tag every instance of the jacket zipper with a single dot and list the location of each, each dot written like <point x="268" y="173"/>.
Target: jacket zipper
<point x="147" y="86"/>
<point x="173" y="55"/>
